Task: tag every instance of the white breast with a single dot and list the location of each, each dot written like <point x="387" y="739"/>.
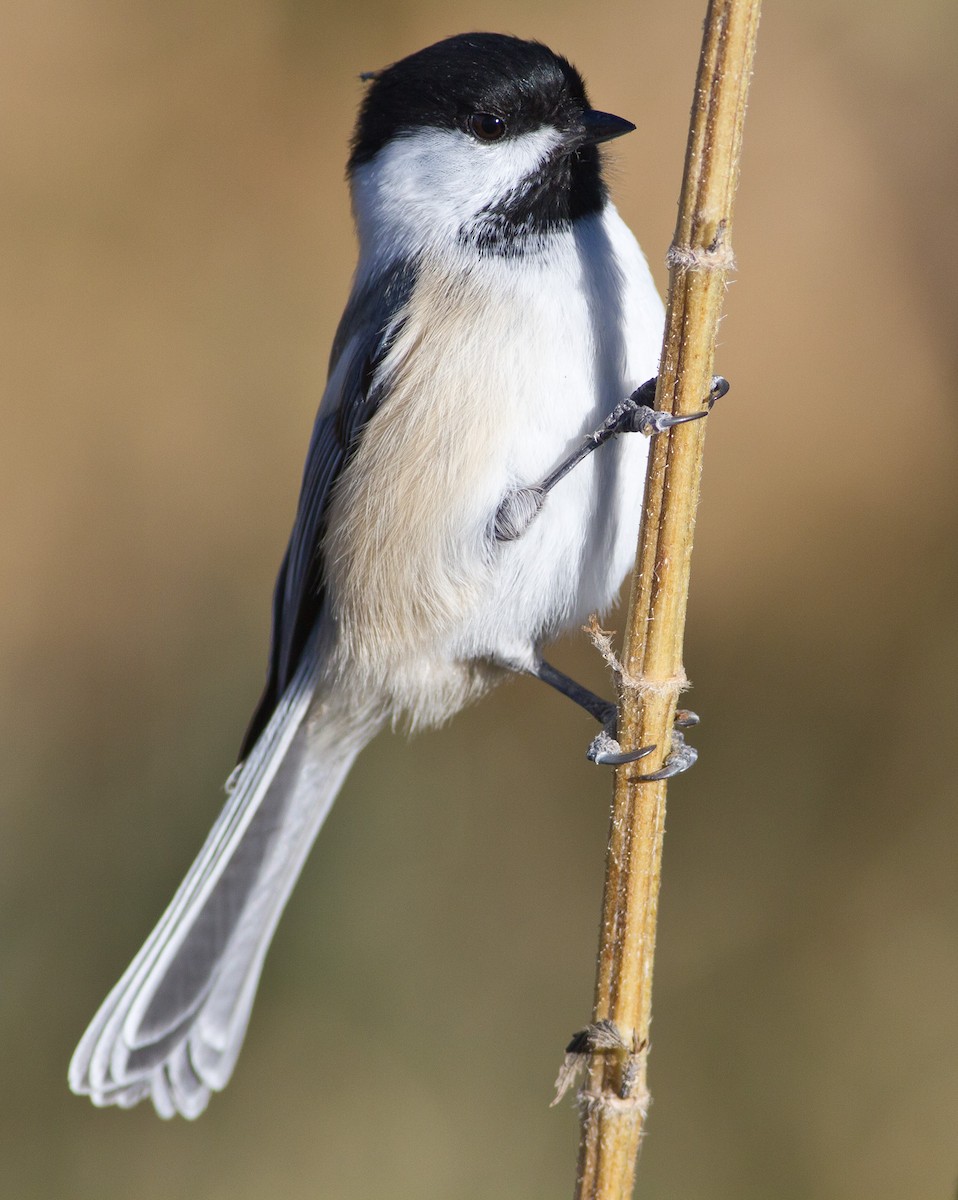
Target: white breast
<point x="502" y="366"/>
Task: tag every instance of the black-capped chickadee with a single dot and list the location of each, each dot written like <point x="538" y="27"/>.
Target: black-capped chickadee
<point x="452" y="517"/>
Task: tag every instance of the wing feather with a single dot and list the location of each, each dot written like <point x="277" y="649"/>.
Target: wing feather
<point x="354" y="391"/>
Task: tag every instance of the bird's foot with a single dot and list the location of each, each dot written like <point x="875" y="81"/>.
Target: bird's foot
<point x="605" y="750"/>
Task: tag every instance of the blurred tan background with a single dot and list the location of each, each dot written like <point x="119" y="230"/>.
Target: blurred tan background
<point x="176" y="249"/>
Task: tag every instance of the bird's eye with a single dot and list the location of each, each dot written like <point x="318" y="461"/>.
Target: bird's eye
<point x="487" y="127"/>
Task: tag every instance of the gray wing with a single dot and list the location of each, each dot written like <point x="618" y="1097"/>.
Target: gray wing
<point x="373" y="317"/>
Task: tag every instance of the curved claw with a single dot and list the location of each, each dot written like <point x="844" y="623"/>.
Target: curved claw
<point x="650" y="421"/>
<point x="606" y="752"/>
<point x="609" y="759"/>
<point x="685" y="718"/>
<point x="681" y="758"/>
<point x="666" y="421"/>
<point x="719" y="388"/>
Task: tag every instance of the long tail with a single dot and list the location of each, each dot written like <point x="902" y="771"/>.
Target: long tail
<point x="173" y="1026"/>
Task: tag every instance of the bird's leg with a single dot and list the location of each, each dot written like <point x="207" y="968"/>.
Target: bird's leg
<point x="604" y="749"/>
<point x="635" y="415"/>
<point x="604" y="711"/>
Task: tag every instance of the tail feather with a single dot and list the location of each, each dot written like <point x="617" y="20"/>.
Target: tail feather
<point x="172" y="1027"/>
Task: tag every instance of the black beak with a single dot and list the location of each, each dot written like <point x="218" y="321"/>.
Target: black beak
<point x="603" y="127"/>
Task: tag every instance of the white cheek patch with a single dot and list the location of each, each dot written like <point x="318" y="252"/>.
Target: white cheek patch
<point x="426" y="184"/>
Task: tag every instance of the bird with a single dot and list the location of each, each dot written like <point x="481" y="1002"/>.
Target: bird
<point x="467" y="498"/>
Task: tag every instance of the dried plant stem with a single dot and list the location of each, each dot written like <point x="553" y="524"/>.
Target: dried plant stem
<point x="614" y="1098"/>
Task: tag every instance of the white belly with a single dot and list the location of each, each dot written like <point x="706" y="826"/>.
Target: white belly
<point x="497" y="374"/>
